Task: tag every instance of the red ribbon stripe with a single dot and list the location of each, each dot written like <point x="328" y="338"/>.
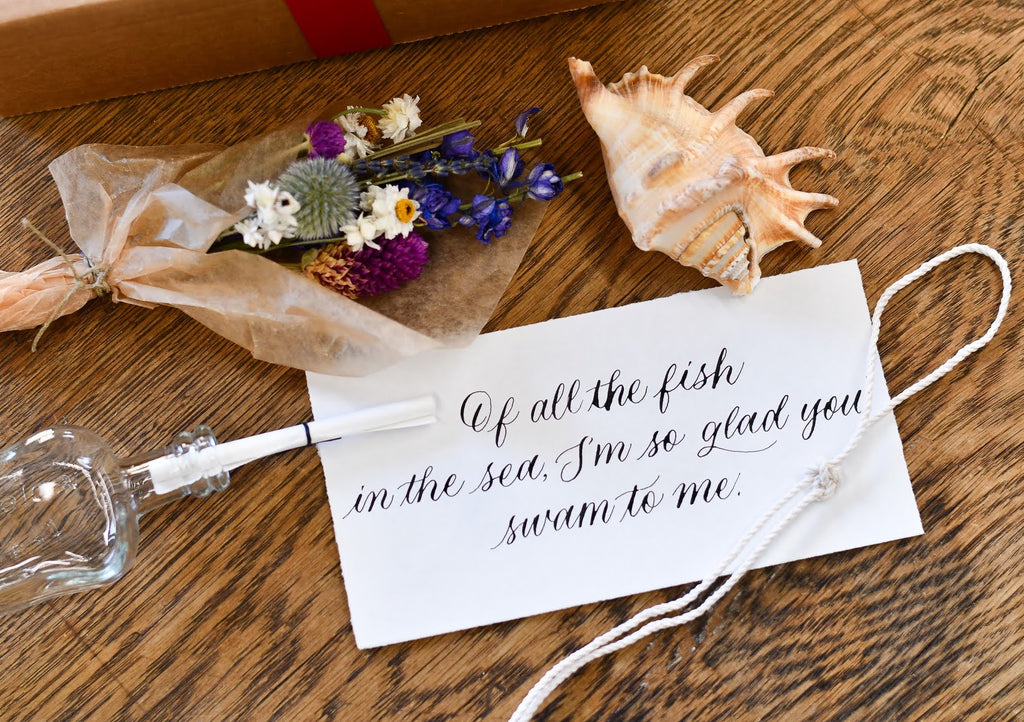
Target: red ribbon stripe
<point x="333" y="27"/>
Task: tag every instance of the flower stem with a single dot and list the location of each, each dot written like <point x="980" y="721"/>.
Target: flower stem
<point x="525" y="145"/>
<point x="237" y="244"/>
<point x="383" y="180"/>
<point x="223" y="244"/>
<point x="292" y="243"/>
<point x="365" y="111"/>
<point x="425" y="140"/>
<point x="507" y="144"/>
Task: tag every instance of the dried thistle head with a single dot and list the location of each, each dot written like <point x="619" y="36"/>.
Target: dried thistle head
<point x="327" y="192"/>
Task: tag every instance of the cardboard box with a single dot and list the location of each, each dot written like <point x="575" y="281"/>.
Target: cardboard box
<point x="55" y="53"/>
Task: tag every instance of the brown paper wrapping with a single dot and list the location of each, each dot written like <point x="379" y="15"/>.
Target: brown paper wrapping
<point x="147" y="216"/>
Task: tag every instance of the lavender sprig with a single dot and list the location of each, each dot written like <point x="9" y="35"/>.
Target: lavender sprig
<point x="390" y="170"/>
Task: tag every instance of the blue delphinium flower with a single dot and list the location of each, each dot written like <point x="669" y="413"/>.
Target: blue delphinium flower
<point x="523" y="121"/>
<point x="458" y="145"/>
<point x="507" y="169"/>
<point x="542" y="182"/>
<point x="492" y="216"/>
<point x="436" y="204"/>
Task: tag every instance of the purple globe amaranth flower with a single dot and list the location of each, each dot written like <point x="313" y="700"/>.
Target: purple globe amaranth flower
<point x="458" y="145"/>
<point x="542" y="182"/>
<point x="326" y="139"/>
<point x="492" y="216"/>
<point x="369" y="271"/>
<point x="398" y="261"/>
<point x="523" y="121"/>
<point x="436" y="204"/>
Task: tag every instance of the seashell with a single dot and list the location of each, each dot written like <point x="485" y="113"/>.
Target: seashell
<point x="688" y="182"/>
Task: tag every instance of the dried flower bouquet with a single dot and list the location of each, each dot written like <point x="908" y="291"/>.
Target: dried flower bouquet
<point x="364" y="203"/>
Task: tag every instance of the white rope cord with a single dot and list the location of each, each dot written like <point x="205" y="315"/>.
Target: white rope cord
<point x="820" y="483"/>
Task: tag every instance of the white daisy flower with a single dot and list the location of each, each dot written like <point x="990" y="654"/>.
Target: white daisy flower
<point x="252" y="234"/>
<point x="260" y="195"/>
<point x="275" y="234"/>
<point x="361" y="232"/>
<point x="285" y="208"/>
<point x="358" y="145"/>
<point x="401" y="119"/>
<point x="392" y="210"/>
<point x="349" y="122"/>
<point x="286" y="204"/>
<point x="274" y="219"/>
<point x="355" y="135"/>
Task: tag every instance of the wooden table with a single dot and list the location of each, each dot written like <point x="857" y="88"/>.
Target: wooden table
<point x="235" y="608"/>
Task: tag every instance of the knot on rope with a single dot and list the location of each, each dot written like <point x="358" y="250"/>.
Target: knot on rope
<point x="93" y="280"/>
<point x="825" y="480"/>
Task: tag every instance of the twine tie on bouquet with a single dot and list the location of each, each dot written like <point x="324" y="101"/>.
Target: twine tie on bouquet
<point x="819" y="484"/>
<point x="94" y="279"/>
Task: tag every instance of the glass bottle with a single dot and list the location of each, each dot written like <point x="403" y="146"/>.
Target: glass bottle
<point x="69" y="510"/>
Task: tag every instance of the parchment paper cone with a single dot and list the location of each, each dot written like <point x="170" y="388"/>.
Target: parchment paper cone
<point x="146" y="216"/>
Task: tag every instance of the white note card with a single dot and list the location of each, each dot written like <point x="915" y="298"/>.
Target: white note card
<point x="608" y="454"/>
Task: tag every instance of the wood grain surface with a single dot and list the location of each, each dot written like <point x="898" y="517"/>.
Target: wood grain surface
<point x="235" y="608"/>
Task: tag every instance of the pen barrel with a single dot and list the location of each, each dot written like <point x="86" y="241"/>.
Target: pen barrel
<point x="399" y="414"/>
<point x="173" y="472"/>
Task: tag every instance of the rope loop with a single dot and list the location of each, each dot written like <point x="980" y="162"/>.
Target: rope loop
<point x="823" y="481"/>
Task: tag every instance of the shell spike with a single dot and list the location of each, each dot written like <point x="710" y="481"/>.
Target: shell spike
<point x="790" y="158"/>
<point x="688" y="71"/>
<point x="729" y="112"/>
<point x="584" y="77"/>
<point x="785" y="230"/>
<point x="814" y="201"/>
<point x="802" y="234"/>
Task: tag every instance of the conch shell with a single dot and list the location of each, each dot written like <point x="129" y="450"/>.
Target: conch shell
<point x="688" y="182"/>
